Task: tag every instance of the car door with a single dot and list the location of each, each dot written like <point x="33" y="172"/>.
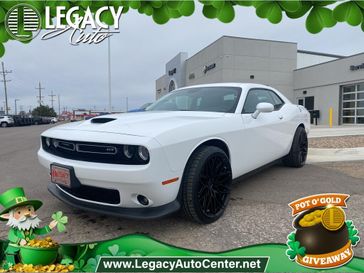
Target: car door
<point x="264" y="137"/>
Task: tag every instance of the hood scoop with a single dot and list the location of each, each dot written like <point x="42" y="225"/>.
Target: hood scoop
<point x="102" y="120"/>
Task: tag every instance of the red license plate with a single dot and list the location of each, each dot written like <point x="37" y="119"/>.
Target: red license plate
<point x="61" y="176"/>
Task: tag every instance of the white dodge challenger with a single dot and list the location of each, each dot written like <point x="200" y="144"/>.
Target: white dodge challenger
<point x="182" y="153"/>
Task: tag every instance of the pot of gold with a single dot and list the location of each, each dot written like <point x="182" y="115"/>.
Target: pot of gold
<point x="39" y="252"/>
<point x="322" y="230"/>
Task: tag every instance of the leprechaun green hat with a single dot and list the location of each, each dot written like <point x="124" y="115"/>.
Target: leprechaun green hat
<point x="15" y="197"/>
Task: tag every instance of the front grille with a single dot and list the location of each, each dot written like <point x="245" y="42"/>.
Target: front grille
<point x="96" y="194"/>
<point x="90" y="151"/>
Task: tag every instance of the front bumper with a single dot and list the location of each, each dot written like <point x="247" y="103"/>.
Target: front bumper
<point x="132" y="213"/>
<point x="128" y="180"/>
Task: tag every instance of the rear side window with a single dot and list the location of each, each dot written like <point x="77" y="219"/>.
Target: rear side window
<point x="256" y="96"/>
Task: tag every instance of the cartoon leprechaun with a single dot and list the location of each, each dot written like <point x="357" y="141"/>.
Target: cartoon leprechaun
<point x="22" y="219"/>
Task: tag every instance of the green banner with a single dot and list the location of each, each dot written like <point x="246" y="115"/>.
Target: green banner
<point x="182" y="264"/>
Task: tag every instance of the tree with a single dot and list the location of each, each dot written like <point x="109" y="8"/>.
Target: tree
<point x="44" y="111"/>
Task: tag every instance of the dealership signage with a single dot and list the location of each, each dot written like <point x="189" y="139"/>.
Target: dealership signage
<point x="23" y="23"/>
<point x="209" y="67"/>
<point x="357" y="67"/>
<point x="172" y="71"/>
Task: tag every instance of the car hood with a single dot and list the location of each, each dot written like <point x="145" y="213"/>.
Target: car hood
<point x="150" y="123"/>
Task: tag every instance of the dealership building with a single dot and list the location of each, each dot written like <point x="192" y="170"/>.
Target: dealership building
<point x="322" y="82"/>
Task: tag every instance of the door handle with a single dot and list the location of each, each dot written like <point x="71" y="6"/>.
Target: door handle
<point x="280" y="117"/>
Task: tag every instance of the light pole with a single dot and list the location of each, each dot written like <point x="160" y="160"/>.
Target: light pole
<point x="16" y="112"/>
<point x="109" y="69"/>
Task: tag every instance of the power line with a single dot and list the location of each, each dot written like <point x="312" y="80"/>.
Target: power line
<point x="52" y="98"/>
<point x="5" y="72"/>
<point x="40" y="88"/>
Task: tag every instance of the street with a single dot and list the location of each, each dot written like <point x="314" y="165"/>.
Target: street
<point x="257" y="213"/>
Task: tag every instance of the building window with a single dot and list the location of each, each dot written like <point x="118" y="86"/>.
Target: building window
<point x="352" y="97"/>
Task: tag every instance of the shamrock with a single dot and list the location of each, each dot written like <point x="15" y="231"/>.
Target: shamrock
<point x="318" y="18"/>
<point x="294" y="247"/>
<point x="114" y="250"/>
<point x="353" y="233"/>
<point x="61" y="220"/>
<point x="350" y="11"/>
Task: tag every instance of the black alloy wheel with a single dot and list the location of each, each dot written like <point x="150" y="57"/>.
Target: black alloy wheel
<point x="206" y="184"/>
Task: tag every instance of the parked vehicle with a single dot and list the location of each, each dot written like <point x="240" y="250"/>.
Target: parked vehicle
<point x="6" y="121"/>
<point x="182" y="153"/>
<point x="41" y="120"/>
<point x="141" y="108"/>
<point x="54" y="120"/>
<point x="22" y="120"/>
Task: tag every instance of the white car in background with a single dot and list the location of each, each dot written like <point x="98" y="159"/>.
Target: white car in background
<point x="181" y="153"/>
<point x="6" y="121"/>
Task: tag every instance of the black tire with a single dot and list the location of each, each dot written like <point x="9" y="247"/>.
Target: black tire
<point x="298" y="153"/>
<point x="4" y="124"/>
<point x="206" y="185"/>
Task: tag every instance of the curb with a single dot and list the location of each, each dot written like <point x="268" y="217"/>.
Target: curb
<point x="317" y="155"/>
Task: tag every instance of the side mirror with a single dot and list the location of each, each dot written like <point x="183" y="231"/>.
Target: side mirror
<point x="263" y="107"/>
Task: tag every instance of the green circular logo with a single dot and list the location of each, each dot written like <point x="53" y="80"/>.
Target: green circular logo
<point x="23" y="22"/>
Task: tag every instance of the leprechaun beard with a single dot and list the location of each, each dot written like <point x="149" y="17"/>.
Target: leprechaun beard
<point x="24" y="223"/>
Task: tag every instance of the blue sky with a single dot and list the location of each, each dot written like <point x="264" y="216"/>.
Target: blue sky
<point x="139" y="53"/>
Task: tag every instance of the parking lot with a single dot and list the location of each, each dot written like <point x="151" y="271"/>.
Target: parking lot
<point x="258" y="211"/>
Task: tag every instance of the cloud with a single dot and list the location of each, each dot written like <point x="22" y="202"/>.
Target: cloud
<point x="139" y="53"/>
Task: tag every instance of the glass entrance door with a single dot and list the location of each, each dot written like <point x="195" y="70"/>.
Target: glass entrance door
<point x="352" y="97"/>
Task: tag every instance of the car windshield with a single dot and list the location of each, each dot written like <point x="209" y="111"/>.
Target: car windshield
<point x="207" y="99"/>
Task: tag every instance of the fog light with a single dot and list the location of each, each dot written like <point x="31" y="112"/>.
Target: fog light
<point x="143" y="200"/>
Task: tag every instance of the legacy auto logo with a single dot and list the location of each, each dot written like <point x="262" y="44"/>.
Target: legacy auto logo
<point x="23" y="23"/>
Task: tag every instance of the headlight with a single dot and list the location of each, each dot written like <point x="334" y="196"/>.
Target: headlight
<point x="128" y="151"/>
<point x="143" y="153"/>
<point x="48" y="141"/>
<point x="55" y="143"/>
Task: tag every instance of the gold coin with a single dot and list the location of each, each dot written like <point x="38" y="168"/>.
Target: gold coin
<point x="333" y="218"/>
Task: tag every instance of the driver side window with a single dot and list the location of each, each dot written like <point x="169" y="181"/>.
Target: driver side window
<point x="257" y="95"/>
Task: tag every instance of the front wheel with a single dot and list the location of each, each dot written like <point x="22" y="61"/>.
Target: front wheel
<point x="206" y="185"/>
<point x="4" y="125"/>
<point x="298" y="153"/>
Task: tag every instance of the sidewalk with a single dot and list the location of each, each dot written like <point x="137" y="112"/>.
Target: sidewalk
<point x="317" y="155"/>
<point x="336" y="131"/>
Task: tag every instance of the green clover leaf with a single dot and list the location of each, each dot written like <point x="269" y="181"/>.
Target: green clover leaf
<point x="319" y="18"/>
<point x="349" y="12"/>
<point x="353" y="233"/>
<point x="226" y="13"/>
<point x="61" y="220"/>
<point x="305" y="7"/>
<point x="294" y="247"/>
<point x="269" y="10"/>
<point x="66" y="261"/>
<point x="114" y="250"/>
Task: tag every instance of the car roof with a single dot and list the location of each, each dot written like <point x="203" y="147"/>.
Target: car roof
<point x="229" y="84"/>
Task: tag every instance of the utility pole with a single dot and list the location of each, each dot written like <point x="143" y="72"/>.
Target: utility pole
<point x="16" y="110"/>
<point x="4" y="80"/>
<point x="59" y="105"/>
<point x="109" y="70"/>
<point x="52" y="99"/>
<point x="40" y="88"/>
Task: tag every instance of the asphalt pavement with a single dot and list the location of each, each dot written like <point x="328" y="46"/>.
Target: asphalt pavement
<point x="258" y="211"/>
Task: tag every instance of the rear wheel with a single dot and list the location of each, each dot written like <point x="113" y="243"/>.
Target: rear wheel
<point x="4" y="124"/>
<point x="206" y="185"/>
<point x="298" y="153"/>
